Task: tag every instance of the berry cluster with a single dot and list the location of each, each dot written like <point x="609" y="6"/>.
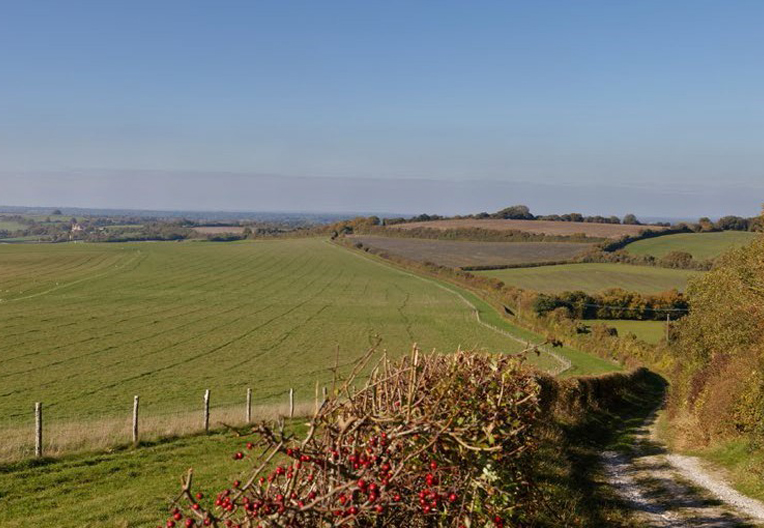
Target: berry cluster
<point x="418" y="444"/>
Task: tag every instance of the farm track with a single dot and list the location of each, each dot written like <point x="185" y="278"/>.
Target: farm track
<point x="666" y="490"/>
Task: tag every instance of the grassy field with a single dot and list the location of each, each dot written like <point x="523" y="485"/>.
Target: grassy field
<point x="648" y="331"/>
<point x="593" y="277"/>
<point x="699" y="245"/>
<point x="87" y="326"/>
<point x="457" y="254"/>
<point x="533" y="226"/>
<point x="128" y="488"/>
<point x="10" y="225"/>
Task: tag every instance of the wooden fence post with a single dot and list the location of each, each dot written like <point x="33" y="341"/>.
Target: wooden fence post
<point x="135" y="420"/>
<point x="207" y="411"/>
<point x="291" y="403"/>
<point x="38" y="429"/>
<point x="249" y="406"/>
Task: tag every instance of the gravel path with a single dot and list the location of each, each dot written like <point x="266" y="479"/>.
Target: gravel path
<point x="668" y="490"/>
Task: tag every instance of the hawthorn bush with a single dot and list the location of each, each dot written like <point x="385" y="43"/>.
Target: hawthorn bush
<point x="428" y="440"/>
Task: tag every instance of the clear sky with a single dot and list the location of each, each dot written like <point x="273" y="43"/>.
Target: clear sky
<point x="654" y="94"/>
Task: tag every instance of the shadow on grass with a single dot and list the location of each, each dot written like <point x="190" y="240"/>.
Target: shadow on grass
<point x="569" y="465"/>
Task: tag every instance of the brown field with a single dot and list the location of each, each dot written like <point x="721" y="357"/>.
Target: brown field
<point x="467" y="253"/>
<point x="216" y="230"/>
<point x="533" y="226"/>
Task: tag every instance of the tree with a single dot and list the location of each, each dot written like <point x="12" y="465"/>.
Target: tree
<point x="56" y="212"/>
<point x="630" y="219"/>
<point x="677" y="259"/>
<point x="515" y="212"/>
<point x="732" y="223"/>
<point x="706" y="224"/>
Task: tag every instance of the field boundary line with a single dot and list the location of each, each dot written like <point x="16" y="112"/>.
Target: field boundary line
<point x="565" y="364"/>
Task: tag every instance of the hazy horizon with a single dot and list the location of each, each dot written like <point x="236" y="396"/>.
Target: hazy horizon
<point x="488" y="102"/>
<point x="210" y="191"/>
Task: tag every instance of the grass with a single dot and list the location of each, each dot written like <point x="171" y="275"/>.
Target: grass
<point x="583" y="363"/>
<point x="10" y="225"/>
<point x="128" y="488"/>
<point x="87" y="326"/>
<point x="700" y="245"/>
<point x="593" y="278"/>
<point x="744" y="464"/>
<point x="648" y="331"/>
<point x="465" y="253"/>
<point x="569" y="462"/>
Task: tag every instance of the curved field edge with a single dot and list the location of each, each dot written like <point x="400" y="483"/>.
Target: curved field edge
<point x="699" y="245"/>
<point x="582" y="363"/>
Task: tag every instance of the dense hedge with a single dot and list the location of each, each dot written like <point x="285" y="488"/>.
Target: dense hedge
<point x="614" y="304"/>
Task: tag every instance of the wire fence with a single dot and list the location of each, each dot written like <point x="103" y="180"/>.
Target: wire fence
<point x="44" y="433"/>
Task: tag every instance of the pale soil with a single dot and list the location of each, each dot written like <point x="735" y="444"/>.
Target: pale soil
<point x="669" y="490"/>
<point x="534" y="226"/>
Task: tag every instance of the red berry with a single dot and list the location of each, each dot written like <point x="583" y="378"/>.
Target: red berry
<point x="178" y="516"/>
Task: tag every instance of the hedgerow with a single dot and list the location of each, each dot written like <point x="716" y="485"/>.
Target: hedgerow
<point x="428" y="440"/>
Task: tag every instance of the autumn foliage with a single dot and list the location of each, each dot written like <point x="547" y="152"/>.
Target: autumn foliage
<point x="428" y="440"/>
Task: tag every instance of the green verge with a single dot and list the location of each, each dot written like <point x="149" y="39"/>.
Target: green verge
<point x="127" y="488"/>
<point x="650" y="332"/>
<point x="569" y="460"/>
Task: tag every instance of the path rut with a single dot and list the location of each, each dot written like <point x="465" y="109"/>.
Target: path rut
<point x="670" y="490"/>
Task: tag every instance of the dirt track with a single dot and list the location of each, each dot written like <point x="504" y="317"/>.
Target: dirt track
<point x="668" y="490"/>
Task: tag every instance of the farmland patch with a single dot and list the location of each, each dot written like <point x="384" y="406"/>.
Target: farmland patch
<point x="533" y="226"/>
<point x="699" y="245"/>
<point x="466" y="253"/>
<point x="593" y="278"/>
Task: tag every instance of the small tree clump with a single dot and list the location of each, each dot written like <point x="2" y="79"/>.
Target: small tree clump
<point x="428" y="440"/>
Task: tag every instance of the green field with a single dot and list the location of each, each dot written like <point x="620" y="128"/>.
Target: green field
<point x="593" y="278"/>
<point x="87" y="326"/>
<point x="700" y="245"/>
<point x="127" y="488"/>
<point x="10" y="225"/>
<point x="648" y="331"/>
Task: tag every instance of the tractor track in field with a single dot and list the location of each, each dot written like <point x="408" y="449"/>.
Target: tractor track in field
<point x="140" y="339"/>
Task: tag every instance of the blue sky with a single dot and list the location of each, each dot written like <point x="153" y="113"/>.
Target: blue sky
<point x="653" y="94"/>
